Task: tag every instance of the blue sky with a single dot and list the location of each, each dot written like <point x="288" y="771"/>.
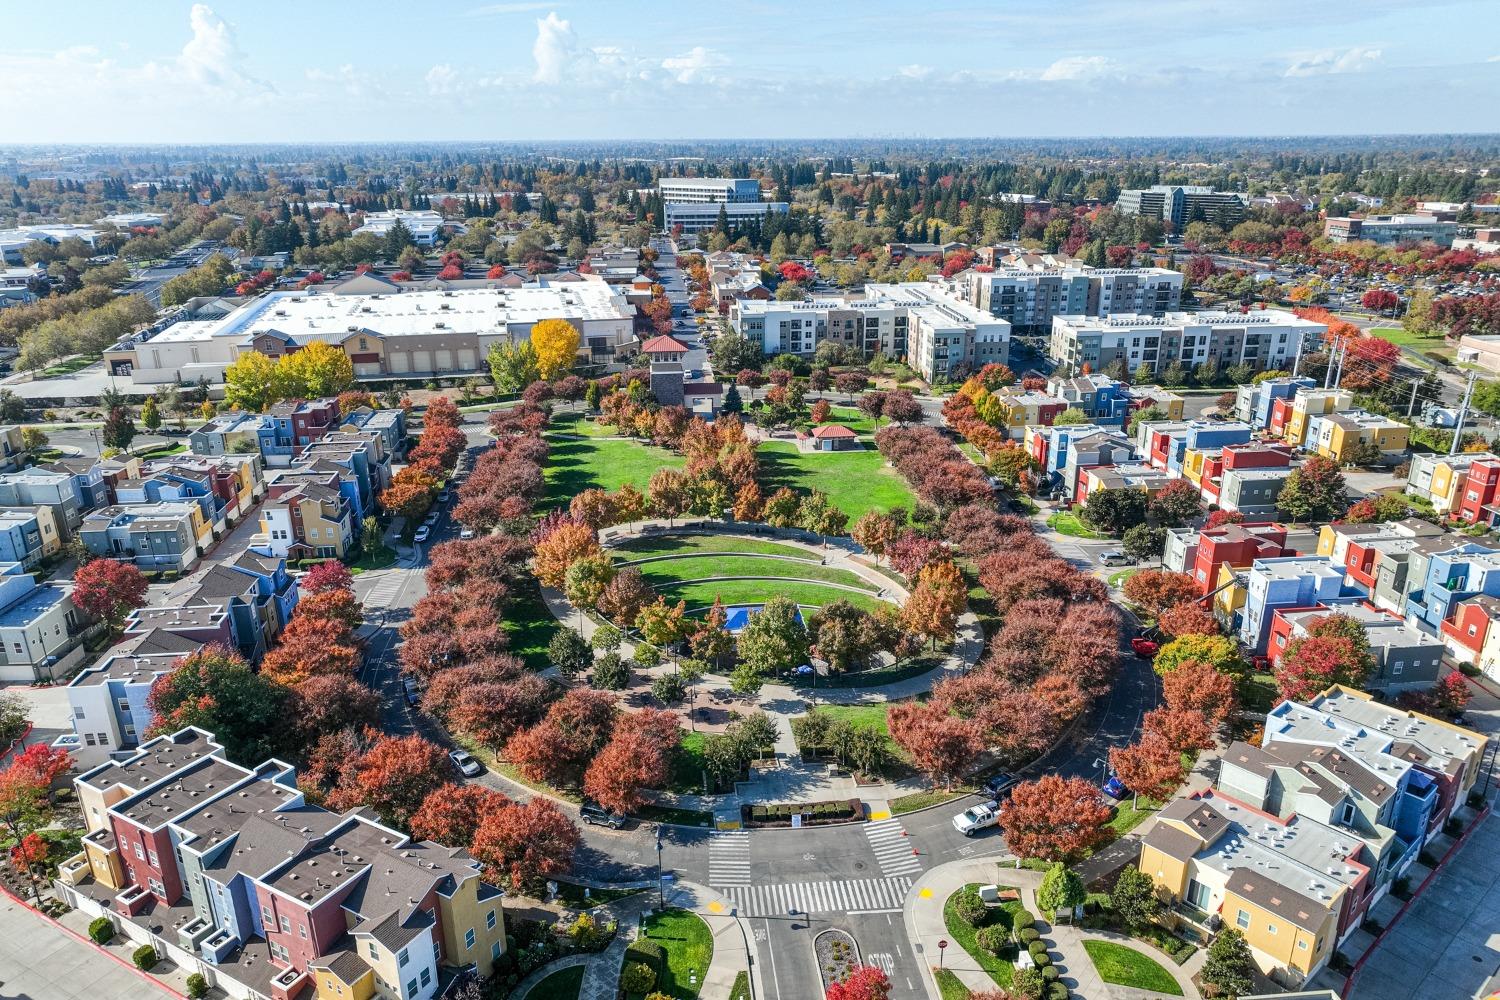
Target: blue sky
<point x="272" y="71"/>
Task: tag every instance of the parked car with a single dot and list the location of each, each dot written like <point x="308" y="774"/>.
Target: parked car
<point x="596" y="815"/>
<point x="1113" y="787"/>
<point x="466" y="534"/>
<point x="998" y="786"/>
<point x="444" y="497"/>
<point x="1144" y="648"/>
<point x="1114" y="557"/>
<point x="423" y="533"/>
<point x="467" y="766"/>
<point x="410" y="689"/>
<point x="976" y="818"/>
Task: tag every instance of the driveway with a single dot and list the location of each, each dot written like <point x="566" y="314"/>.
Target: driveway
<point x="40" y="962"/>
<point x="1448" y="943"/>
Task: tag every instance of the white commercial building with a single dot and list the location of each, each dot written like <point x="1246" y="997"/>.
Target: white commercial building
<point x="129" y="220"/>
<point x="708" y="190"/>
<point x="387" y="329"/>
<point x="1264" y="339"/>
<point x="425" y="227"/>
<point x="698" y="217"/>
<point x="923" y="323"/>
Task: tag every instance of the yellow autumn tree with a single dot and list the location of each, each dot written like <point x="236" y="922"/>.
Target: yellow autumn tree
<point x="252" y="382"/>
<point x="556" y="344"/>
<point x="316" y="371"/>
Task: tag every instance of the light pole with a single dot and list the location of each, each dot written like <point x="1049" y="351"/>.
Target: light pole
<point x="661" y="893"/>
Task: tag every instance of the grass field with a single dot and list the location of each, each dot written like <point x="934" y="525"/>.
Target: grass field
<point x="1127" y="967"/>
<point x="574" y="423"/>
<point x="666" y="571"/>
<point x="855" y="481"/>
<point x="690" y="947"/>
<point x="858" y="716"/>
<point x="1423" y="345"/>
<point x="577" y="465"/>
<point x="643" y="548"/>
<point x="966" y="937"/>
<point x="852" y="419"/>
<point x="702" y="595"/>
<point x="1065" y="522"/>
<point x="561" y="985"/>
<point x="531" y="628"/>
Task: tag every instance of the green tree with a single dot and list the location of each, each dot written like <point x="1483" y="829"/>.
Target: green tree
<point x="569" y="652"/>
<point x="1229" y="966"/>
<point x="252" y="382"/>
<point x="1133" y="899"/>
<point x="513" y="366"/>
<point x="1114" y="510"/>
<point x="150" y="415"/>
<point x="1314" y="492"/>
<point x="397" y="239"/>
<point x="119" y="429"/>
<point x="1142" y="542"/>
<point x="216" y="690"/>
<point x="773" y="641"/>
<point x="1218" y="652"/>
<point x="1070" y="417"/>
<point x="1061" y="889"/>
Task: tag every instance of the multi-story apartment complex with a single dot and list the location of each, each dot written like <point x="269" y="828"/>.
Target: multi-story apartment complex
<point x="1390" y="229"/>
<point x="1029" y="293"/>
<point x="28" y="535"/>
<point x="39" y="628"/>
<point x="1300" y="837"/>
<point x="922" y="323"/>
<point x="1179" y="204"/>
<point x="155" y="537"/>
<point x="387" y="329"/>
<point x="1264" y="340"/>
<point x="45" y="488"/>
<point x="231" y="873"/>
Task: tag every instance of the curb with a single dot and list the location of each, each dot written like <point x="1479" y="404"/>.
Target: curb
<point x="92" y="946"/>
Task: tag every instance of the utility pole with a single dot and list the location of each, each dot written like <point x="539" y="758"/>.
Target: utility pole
<point x="1413" y="404"/>
<point x="1463" y="411"/>
<point x="1333" y="356"/>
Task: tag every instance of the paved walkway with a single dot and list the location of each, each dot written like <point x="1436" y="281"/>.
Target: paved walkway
<point x="43" y="961"/>
<point x="925" y="926"/>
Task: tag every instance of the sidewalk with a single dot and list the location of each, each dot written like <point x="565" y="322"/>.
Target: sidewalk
<point x="43" y="959"/>
<point x="925" y="927"/>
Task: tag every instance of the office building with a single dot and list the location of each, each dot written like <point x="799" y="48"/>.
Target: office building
<point x="1264" y="339"/>
<point x="708" y="190"/>
<point x="1390" y="229"/>
<point x="1179" y="204"/>
<point x="698" y="217"/>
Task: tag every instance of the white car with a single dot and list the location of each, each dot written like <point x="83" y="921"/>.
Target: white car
<point x="422" y="534"/>
<point x="976" y="818"/>
<point x="467" y="766"/>
<point x="466" y="534"/>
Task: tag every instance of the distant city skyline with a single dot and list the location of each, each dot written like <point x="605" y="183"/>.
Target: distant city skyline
<point x="233" y="71"/>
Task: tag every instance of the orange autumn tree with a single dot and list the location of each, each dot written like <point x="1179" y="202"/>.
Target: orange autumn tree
<point x="563" y="545"/>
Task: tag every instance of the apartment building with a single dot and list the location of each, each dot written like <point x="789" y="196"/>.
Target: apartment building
<point x="155" y="537"/>
<point x="696" y="217"/>
<point x="1179" y="204"/>
<point x="40" y="628"/>
<point x="1443" y="481"/>
<point x="39" y="487"/>
<point x="1286" y="582"/>
<point x="233" y="874"/>
<point x="388" y="330"/>
<point x="1028" y="293"/>
<point x="1246" y="477"/>
<point x="1406" y="658"/>
<point x="924" y="324"/>
<point x="426" y="227"/>
<point x="1343" y="437"/>
<point x="307" y="521"/>
<point x="94" y="479"/>
<point x="28" y="535"/>
<point x="1203" y="553"/>
<point x="1252" y="403"/>
<point x="708" y="190"/>
<point x="1292" y="419"/>
<point x="1360" y="548"/>
<point x="1386" y="229"/>
<point x="1264" y="340"/>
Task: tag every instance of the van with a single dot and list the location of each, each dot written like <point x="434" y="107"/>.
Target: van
<point x="1115" y="558"/>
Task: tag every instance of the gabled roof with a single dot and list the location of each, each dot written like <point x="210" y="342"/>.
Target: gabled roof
<point x="826" y="432"/>
<point x="664" y="344"/>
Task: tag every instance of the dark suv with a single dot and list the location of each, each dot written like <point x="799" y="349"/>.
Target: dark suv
<point x="597" y="815"/>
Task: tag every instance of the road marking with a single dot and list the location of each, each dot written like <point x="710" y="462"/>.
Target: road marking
<point x="714" y="906"/>
<point x="729" y="858"/>
<point x="892" y="848"/>
<point x="880" y="814"/>
<point x="925" y="894"/>
<point x="884" y="959"/>
<point x="868" y="895"/>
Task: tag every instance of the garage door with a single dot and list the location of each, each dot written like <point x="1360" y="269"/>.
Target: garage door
<point x="367" y="370"/>
<point x="400" y="362"/>
<point x="421" y="361"/>
<point x="466" y="360"/>
<point x="444" y="361"/>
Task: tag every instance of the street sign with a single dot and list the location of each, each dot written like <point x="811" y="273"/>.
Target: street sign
<point x="668" y="877"/>
<point x="942" y="947"/>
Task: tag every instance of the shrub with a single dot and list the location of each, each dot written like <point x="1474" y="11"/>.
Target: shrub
<point x="1042" y="959"/>
<point x="1050" y="973"/>
<point x="971" y="908"/>
<point x="1023" y="919"/>
<point x="993" y="938"/>
<point x="144" y="957"/>
<point x="1029" y="936"/>
<point x="101" y="930"/>
<point x="1057" y="991"/>
<point x="1036" y="948"/>
<point x="648" y="953"/>
<point x="637" y="978"/>
<point x="197" y="986"/>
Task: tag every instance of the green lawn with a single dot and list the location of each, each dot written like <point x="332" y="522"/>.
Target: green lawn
<point x="690" y="947"/>
<point x="949" y="986"/>
<point x="688" y="765"/>
<point x="577" y="465"/>
<point x="69" y="366"/>
<point x="858" y="716"/>
<point x="1119" y="576"/>
<point x="701" y="595"/>
<point x="572" y="894"/>
<point x="1129" y="814"/>
<point x="531" y="628"/>
<point x="855" y="481"/>
<point x="998" y="967"/>
<point x="741" y="988"/>
<point x="921" y="800"/>
<point x="1127" y="967"/>
<point x="667" y="571"/>
<point x="671" y="545"/>
<point x="1065" y="522"/>
<point x="853" y="419"/>
<point x="885" y="675"/>
<point x="561" y="985"/>
<point x="574" y="423"/>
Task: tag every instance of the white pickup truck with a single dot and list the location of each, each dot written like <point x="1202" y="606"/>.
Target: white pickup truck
<point x="976" y="818"/>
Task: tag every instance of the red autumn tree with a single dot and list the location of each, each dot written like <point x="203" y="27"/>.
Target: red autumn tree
<point x="393" y="777"/>
<point x="820" y="411"/>
<point x="942" y="745"/>
<point x="864" y="983"/>
<point x="1054" y="818"/>
<point x="1380" y="300"/>
<point x="1196" y="686"/>
<point x="451" y="815"/>
<point x="1154" y="591"/>
<point x="1149" y="767"/>
<point x="521" y="845"/>
<point x="108" y="590"/>
<point x="1187" y="618"/>
<point x="39" y="765"/>
<point x="328" y="575"/>
<point x="1219" y="518"/>
<point x="335" y="607"/>
<point x="638" y="756"/>
<point x="1183" y="729"/>
<point x="559" y="749"/>
<point x="330" y="702"/>
<point x="310" y="647"/>
<point x="1335" y="650"/>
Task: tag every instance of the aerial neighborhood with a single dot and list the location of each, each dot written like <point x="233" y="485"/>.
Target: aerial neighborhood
<point x="445" y="557"/>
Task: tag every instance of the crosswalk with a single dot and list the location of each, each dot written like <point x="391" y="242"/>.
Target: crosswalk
<point x="729" y="858"/>
<point x="862" y="895"/>
<point x="384" y="590"/>
<point x="892" y="849"/>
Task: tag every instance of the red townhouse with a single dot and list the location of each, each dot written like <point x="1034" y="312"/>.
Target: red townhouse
<point x="1235" y="545"/>
<point x="1281" y="412"/>
<point x="1478" y="493"/>
<point x="1465" y="632"/>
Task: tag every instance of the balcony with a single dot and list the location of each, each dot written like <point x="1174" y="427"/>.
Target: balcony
<point x="217" y="946"/>
<point x="192" y="933"/>
<point x="133" y="900"/>
<point x="75" y="869"/>
<point x="288" y="984"/>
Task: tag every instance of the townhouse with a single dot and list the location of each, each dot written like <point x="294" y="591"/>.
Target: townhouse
<point x="1084" y="447"/>
<point x="1166" y="443"/>
<point x="28" y="535"/>
<point x="13" y="454"/>
<point x="1129" y="476"/>
<point x="37" y="487"/>
<point x="1203" y="553"/>
<point x="233" y="483"/>
<point x="1102" y="399"/>
<point x="1465" y="487"/>
<point x="1021" y="408"/>
<point x="306" y="521"/>
<point x="109" y="704"/>
<point x="156" y="537"/>
<point x="1264" y="340"/>
<point x="232" y="874"/>
<point x="1300" y="837"/>
<point x="361" y="453"/>
<point x="1347" y="437"/>
<point x="388" y="425"/>
<point x="94" y="479"/>
<point x="1405" y="658"/>
<point x="1285" y="582"/>
<point x="1253" y="402"/>
<point x="40" y="629"/>
<point x="1359" y="548"/>
<point x="1246" y="478"/>
<point x="1291" y="419"/>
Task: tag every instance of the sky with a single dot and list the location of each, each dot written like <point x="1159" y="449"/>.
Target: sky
<point x="271" y="71"/>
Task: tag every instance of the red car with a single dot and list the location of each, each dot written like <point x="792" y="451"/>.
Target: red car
<point x="1144" y="648"/>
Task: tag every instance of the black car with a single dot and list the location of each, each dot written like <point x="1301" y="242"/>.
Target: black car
<point x="998" y="786"/>
<point x="597" y="815"/>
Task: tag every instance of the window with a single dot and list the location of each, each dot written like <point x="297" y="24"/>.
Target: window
<point x="302" y="930"/>
<point x="489" y="921"/>
<point x="1270" y="928"/>
<point x="140" y="855"/>
<point x="1242" y="919"/>
<point x="151" y="857"/>
<point x="1396" y="667"/>
<point x="402" y="958"/>
<point x="124" y="704"/>
<point x="469" y="938"/>
<point x="78" y="711"/>
<point x="374" y="950"/>
<point x="88" y="738"/>
<point x="265" y="915"/>
<point x="426" y="976"/>
<point x="411" y="986"/>
<point x="286" y="925"/>
<point x="495" y="950"/>
<point x="1346" y="815"/>
<point x="1302" y="945"/>
<point x="278" y="951"/>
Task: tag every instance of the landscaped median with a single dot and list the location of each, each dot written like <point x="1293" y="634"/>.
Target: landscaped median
<point x="671" y="956"/>
<point x="1124" y="966"/>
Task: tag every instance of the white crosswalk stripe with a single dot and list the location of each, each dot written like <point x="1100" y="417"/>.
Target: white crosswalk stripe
<point x="866" y="895"/>
<point x="892" y="848"/>
<point x="729" y="858"/>
<point x="384" y="590"/>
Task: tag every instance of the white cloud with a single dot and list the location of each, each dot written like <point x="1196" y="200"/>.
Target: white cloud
<point x="915" y="71"/>
<point x="1078" y="68"/>
<point x="497" y="9"/>
<point x="441" y="79"/>
<point x="1331" y="61"/>
<point x="695" y="66"/>
<point x="556" y="47"/>
<point x="211" y="58"/>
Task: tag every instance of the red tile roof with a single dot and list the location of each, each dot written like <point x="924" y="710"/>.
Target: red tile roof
<point x="664" y="345"/>
<point x="832" y="431"/>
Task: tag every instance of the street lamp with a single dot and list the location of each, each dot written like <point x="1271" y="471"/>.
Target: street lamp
<point x="661" y="893"/>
